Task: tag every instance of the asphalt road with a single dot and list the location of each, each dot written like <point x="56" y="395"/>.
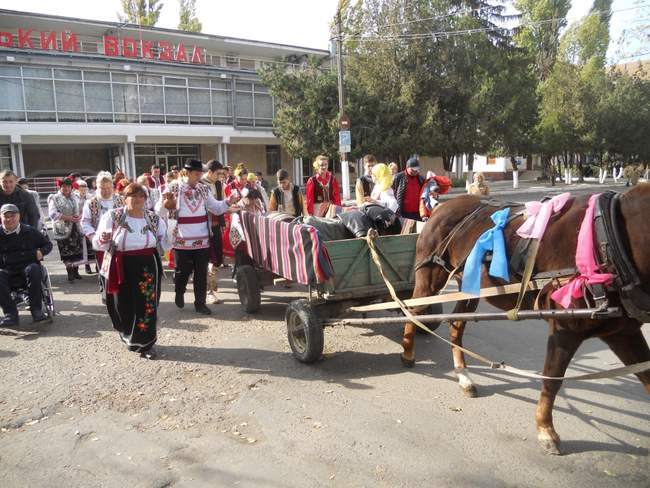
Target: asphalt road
<point x="227" y="405"/>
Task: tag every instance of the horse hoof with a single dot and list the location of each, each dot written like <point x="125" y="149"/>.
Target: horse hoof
<point x="550" y="447"/>
<point x="470" y="391"/>
<point x="407" y="363"/>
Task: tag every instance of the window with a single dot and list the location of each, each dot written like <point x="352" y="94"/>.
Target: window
<point x="11" y="101"/>
<point x="98" y="102"/>
<point x="65" y="94"/>
<point x="69" y="100"/>
<point x="39" y="97"/>
<point x="176" y="105"/>
<point x="221" y="102"/>
<point x="166" y="155"/>
<point x="244" y="103"/>
<point x="199" y="106"/>
<point x="273" y="159"/>
<point x="5" y="158"/>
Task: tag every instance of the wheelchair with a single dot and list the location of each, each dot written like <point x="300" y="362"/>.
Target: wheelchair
<point x="20" y="295"/>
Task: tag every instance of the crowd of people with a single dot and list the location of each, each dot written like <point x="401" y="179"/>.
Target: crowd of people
<point x="124" y="230"/>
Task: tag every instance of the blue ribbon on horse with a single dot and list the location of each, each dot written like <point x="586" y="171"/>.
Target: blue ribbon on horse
<point x="491" y="240"/>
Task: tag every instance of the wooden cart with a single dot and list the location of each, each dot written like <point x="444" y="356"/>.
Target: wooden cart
<point x="356" y="281"/>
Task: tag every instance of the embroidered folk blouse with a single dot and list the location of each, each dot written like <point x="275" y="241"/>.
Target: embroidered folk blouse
<point x="133" y="234"/>
<point x="192" y="204"/>
<point x="87" y="218"/>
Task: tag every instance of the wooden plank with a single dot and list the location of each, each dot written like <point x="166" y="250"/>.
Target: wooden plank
<point x="456" y="296"/>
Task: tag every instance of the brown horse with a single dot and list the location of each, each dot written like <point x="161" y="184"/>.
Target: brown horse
<point x="556" y="251"/>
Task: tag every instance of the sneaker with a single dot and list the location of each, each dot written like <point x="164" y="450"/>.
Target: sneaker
<point x="213" y="300"/>
<point x="89" y="270"/>
<point x="202" y="309"/>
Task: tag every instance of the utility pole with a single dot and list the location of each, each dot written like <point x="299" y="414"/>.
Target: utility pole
<point x="344" y="122"/>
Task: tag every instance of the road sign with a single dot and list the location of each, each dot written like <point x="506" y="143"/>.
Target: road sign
<point x="345" y="141"/>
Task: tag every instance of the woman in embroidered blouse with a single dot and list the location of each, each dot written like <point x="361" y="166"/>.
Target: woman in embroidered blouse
<point x="135" y="272"/>
<point x="63" y="210"/>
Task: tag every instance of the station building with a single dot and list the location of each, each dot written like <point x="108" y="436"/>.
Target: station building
<point x="83" y="96"/>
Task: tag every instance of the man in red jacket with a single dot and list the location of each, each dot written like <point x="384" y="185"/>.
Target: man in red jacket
<point x="407" y="187"/>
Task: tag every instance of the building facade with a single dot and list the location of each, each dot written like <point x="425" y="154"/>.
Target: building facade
<point x="84" y="96"/>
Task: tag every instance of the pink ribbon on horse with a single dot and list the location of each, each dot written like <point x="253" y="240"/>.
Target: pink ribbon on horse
<point x="585" y="262"/>
<point x="539" y="215"/>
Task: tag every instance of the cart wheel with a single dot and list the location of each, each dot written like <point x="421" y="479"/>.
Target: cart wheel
<point x="248" y="288"/>
<point x="304" y="331"/>
<point x="434" y="308"/>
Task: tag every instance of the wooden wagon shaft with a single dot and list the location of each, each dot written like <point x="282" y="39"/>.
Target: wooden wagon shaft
<point x="457" y="296"/>
<point x="581" y="313"/>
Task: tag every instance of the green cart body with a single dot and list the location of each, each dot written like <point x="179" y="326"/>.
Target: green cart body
<point x="356" y="281"/>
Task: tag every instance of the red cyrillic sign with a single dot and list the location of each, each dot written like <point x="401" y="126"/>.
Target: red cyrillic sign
<point x="127" y="47"/>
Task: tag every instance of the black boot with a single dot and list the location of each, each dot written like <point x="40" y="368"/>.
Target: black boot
<point x="70" y="271"/>
<point x="202" y="309"/>
<point x="76" y="274"/>
<point x="179" y="300"/>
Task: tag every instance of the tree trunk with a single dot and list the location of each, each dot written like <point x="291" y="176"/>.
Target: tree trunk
<point x="447" y="162"/>
<point x="581" y="168"/>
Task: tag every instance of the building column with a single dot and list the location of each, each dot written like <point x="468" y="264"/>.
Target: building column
<point x="297" y="171"/>
<point x="17" y="162"/>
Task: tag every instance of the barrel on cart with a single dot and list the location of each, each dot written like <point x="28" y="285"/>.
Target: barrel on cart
<point x="340" y="274"/>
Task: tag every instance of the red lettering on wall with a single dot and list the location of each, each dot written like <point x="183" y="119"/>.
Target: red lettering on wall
<point x="145" y="49"/>
<point x="6" y="39"/>
<point x="165" y="48"/>
<point x="196" y="56"/>
<point x="48" y="40"/>
<point x="180" y="53"/>
<point x="69" y="43"/>
<point x="110" y="46"/>
<point x="129" y="48"/>
<point x="24" y="37"/>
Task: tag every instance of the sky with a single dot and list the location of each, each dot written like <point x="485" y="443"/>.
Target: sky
<point x="296" y="22"/>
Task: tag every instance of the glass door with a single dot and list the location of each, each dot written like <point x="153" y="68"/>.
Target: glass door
<point x="162" y="162"/>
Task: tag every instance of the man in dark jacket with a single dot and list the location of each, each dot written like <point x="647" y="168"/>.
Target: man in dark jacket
<point x="21" y="249"/>
<point x="407" y="187"/>
<point x="12" y="193"/>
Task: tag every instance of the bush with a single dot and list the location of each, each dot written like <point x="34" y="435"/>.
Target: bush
<point x="458" y="183"/>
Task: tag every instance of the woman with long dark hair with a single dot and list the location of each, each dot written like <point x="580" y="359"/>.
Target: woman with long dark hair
<point x="131" y="236"/>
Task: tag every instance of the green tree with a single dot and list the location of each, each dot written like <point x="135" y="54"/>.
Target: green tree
<point x="141" y="12"/>
<point x="539" y="36"/>
<point x="306" y="108"/>
<point x="189" y="22"/>
<point x="626" y="116"/>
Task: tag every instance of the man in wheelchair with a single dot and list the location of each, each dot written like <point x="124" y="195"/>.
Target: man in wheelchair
<point x="22" y="247"/>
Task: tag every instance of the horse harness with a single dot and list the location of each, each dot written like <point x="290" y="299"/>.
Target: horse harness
<point x="438" y="255"/>
<point x="613" y="253"/>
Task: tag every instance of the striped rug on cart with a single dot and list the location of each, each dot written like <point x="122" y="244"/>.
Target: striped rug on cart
<point x="293" y="251"/>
